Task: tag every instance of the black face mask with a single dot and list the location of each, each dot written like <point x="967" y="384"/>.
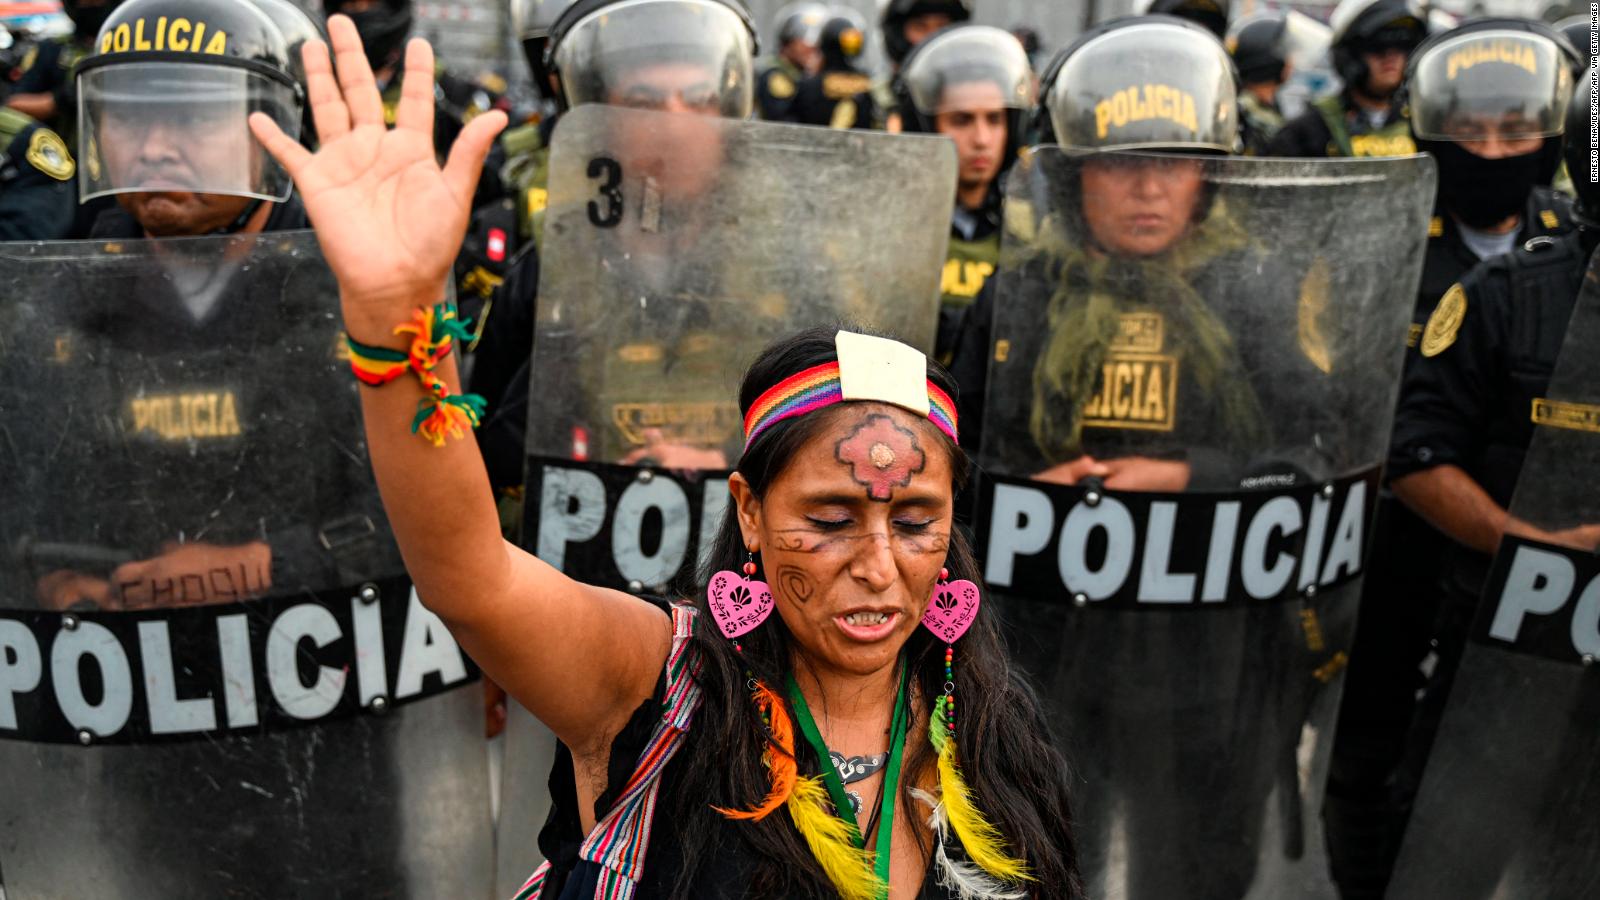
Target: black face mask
<point x="1483" y="192"/>
<point x="383" y="31"/>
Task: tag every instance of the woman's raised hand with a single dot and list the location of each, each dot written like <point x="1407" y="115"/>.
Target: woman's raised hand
<point x="390" y="220"/>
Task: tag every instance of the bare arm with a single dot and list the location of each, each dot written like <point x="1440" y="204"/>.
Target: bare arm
<point x="1448" y="498"/>
<point x="390" y="221"/>
<point x="41" y="106"/>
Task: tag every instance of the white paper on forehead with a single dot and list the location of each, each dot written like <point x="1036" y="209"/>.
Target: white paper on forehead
<point x="875" y="368"/>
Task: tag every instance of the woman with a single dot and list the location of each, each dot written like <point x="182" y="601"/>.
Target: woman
<point x="843" y="514"/>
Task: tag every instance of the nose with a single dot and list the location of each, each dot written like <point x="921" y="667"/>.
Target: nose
<point x="873" y="565"/>
<point x="987" y="134"/>
<point x="1147" y="183"/>
<point x="161" y="141"/>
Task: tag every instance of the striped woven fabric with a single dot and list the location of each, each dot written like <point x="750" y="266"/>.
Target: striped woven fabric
<point x="621" y="840"/>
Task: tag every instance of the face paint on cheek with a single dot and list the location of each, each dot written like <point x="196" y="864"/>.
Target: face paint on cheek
<point x="881" y="455"/>
<point x="795" y="583"/>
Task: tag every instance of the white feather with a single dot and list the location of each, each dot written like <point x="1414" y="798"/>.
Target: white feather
<point x="966" y="879"/>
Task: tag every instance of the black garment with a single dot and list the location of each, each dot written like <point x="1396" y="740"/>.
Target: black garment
<point x="1401" y="598"/>
<point x="501" y="369"/>
<point x="38" y="196"/>
<point x="1469" y="406"/>
<point x="49" y="71"/>
<point x="727" y="875"/>
<point x="776" y="89"/>
<point x="837" y="100"/>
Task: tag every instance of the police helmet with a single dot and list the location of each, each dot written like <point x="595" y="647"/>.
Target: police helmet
<point x="843" y="41"/>
<point x="383" y="26"/>
<point x="88" y="17"/>
<point x="597" y="46"/>
<point x="165" y="95"/>
<point x="1141" y="82"/>
<point x="894" y="14"/>
<point x="963" y="68"/>
<point x="297" y="27"/>
<point x="1579" y="34"/>
<point x="801" y="22"/>
<point x="1259" y="45"/>
<point x="1579" y="151"/>
<point x="1497" y="78"/>
<point x="1212" y="15"/>
<point x="1366" y="26"/>
<point x="532" y="21"/>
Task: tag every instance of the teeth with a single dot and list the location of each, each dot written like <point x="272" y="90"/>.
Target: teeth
<point x="867" y="618"/>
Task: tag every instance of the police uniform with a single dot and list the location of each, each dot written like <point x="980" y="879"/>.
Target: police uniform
<point x="776" y="89"/>
<point x="1336" y="127"/>
<point x="971" y="257"/>
<point x="836" y="99"/>
<point x="1259" y="123"/>
<point x="38" y="199"/>
<point x="47" y="69"/>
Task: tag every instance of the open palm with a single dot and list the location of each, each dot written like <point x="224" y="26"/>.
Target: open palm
<point x="389" y="219"/>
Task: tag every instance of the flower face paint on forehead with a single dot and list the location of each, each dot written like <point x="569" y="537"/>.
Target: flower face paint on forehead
<point x="881" y="455"/>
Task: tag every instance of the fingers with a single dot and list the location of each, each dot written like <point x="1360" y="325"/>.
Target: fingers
<point x="416" y="89"/>
<point x="355" y="76"/>
<point x="286" y="150"/>
<point x="467" y="155"/>
<point x="328" y="111"/>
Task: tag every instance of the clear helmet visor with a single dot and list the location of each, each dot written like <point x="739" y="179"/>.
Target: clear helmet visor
<point x="1491" y="85"/>
<point x="1154" y="86"/>
<point x="671" y="55"/>
<point x="971" y="69"/>
<point x="180" y="127"/>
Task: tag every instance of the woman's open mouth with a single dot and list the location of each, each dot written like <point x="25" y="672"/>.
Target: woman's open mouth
<point x="867" y="625"/>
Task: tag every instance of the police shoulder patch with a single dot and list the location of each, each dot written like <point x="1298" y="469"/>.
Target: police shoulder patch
<point x="47" y="152"/>
<point x="1445" y="323"/>
<point x="780" y="86"/>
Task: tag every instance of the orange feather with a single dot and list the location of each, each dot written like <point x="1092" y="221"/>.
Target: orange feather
<point x="779" y="757"/>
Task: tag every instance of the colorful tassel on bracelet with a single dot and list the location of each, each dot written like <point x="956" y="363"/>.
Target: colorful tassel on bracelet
<point x="434" y="332"/>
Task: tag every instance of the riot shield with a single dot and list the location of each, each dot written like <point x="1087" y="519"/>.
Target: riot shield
<point x="215" y="679"/>
<point x="677" y="247"/>
<point x="1509" y="798"/>
<point x="1194" y="366"/>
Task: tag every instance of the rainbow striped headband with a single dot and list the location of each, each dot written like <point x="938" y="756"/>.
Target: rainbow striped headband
<point x="868" y="368"/>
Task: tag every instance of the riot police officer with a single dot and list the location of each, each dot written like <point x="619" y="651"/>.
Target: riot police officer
<point x="971" y="83"/>
<point x="839" y="94"/>
<point x="384" y="26"/>
<point x="1259" y="45"/>
<point x="1486" y="101"/>
<point x="166" y="134"/>
<point x="37" y="198"/>
<point x="799" y="27"/>
<point x="682" y="56"/>
<point x="1371" y="41"/>
<point x="44" y="91"/>
<point x="297" y="27"/>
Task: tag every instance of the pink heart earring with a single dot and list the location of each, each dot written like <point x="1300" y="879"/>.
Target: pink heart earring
<point x="951" y="611"/>
<point x="739" y="602"/>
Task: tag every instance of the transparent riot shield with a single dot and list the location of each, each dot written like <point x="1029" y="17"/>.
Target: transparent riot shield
<point x="1510" y="801"/>
<point x="675" y="248"/>
<point x="215" y="679"/>
<point x="1194" y="366"/>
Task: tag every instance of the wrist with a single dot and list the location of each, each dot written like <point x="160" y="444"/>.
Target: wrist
<point x="373" y="321"/>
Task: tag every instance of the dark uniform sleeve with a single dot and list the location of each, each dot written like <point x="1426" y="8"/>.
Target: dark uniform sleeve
<point x="1445" y="398"/>
<point x="775" y="94"/>
<point x="42" y="74"/>
<point x="500" y="369"/>
<point x="1306" y="135"/>
<point x="38" y="199"/>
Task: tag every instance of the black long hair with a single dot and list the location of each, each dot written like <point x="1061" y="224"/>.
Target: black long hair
<point x="1017" y="776"/>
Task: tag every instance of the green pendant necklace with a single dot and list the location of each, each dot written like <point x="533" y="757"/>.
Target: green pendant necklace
<point x="830" y="777"/>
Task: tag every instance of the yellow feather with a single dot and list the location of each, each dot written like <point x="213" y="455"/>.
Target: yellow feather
<point x="984" y="843"/>
<point x="832" y="842"/>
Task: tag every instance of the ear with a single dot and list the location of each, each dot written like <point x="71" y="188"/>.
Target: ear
<point x="749" y="510"/>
